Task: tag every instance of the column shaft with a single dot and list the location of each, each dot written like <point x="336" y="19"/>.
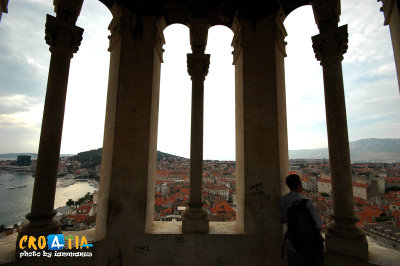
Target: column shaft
<point x="339" y="153"/>
<point x="50" y="137"/>
<point x="196" y="142"/>
<point x="343" y="235"/>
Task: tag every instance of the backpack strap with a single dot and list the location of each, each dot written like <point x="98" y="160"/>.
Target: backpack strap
<point x="283" y="244"/>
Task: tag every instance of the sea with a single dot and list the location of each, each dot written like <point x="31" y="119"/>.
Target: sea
<point x="16" y="195"/>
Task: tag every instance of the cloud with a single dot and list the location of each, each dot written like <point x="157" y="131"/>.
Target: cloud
<point x="20" y="120"/>
<point x="16" y="103"/>
<point x="25" y="56"/>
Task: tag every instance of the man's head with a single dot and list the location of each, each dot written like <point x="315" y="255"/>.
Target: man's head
<point x="293" y="182"/>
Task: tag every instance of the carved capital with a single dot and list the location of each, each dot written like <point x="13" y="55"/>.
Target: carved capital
<point x="387" y="8"/>
<point x="115" y="30"/>
<point x="63" y="36"/>
<point x="330" y="45"/>
<point x="198" y="65"/>
<point x="68" y="10"/>
<point x="280" y="32"/>
<point x="237" y="40"/>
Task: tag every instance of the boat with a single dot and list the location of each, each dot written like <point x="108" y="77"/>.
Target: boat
<point x="12" y="187"/>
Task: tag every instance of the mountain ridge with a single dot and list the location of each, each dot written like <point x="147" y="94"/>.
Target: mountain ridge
<point x="362" y="150"/>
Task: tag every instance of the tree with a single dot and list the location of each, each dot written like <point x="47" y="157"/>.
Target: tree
<point x="70" y="202"/>
<point x="391" y="189"/>
<point x="230" y="199"/>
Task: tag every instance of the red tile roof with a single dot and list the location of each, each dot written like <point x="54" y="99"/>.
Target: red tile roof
<point x="396" y="214"/>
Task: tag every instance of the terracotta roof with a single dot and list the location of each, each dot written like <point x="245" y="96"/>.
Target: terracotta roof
<point x="222" y="208"/>
<point x="78" y="218"/>
<point x="359" y="200"/>
<point x="185" y="191"/>
<point x="158" y="201"/>
<point x="396" y="214"/>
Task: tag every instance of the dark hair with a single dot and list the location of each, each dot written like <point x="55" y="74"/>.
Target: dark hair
<point x="293" y="181"/>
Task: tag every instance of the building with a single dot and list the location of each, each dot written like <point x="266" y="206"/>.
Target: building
<point x="381" y="184"/>
<point x="395" y="206"/>
<point x="385" y="234"/>
<point x="324" y="186"/>
<point x="221" y="190"/>
<point x="361" y="190"/>
<point x="24" y="160"/>
<point x="309" y="182"/>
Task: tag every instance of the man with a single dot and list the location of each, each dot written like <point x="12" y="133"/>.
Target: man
<point x="286" y="201"/>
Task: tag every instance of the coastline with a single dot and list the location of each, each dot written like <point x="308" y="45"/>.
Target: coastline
<point x="16" y="194"/>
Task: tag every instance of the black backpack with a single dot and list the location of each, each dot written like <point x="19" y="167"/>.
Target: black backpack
<point x="302" y="232"/>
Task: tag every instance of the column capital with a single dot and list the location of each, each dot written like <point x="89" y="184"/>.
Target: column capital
<point x="387" y="8"/>
<point x="198" y="65"/>
<point x="68" y="10"/>
<point x="62" y="36"/>
<point x="330" y="45"/>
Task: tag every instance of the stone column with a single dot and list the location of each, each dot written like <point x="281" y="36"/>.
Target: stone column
<point x="127" y="178"/>
<point x="195" y="219"/>
<point x="261" y="130"/>
<point x="64" y="39"/>
<point x="391" y="10"/>
<point x="343" y="235"/>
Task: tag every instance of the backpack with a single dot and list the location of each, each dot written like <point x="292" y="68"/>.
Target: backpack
<point x="301" y="230"/>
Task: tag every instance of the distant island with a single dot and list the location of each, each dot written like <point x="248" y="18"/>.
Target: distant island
<point x="363" y="150"/>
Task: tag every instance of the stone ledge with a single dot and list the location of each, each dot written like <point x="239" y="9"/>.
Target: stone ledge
<point x="224" y="228"/>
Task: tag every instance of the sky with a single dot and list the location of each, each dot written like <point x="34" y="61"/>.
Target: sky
<point x="371" y="88"/>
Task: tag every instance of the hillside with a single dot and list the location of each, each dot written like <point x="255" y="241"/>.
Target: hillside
<point x="92" y="158"/>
